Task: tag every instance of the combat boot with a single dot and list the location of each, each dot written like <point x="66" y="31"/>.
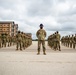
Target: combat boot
<point x="20" y="49"/>
<point x="16" y="49"/>
<point x="59" y="48"/>
<point x="44" y="52"/>
<point x="38" y="52"/>
<point x="8" y="45"/>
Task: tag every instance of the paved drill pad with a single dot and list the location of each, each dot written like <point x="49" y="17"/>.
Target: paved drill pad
<point x="26" y="62"/>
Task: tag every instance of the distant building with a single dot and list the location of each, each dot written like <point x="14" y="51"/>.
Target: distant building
<point x="15" y="29"/>
<point x="8" y="27"/>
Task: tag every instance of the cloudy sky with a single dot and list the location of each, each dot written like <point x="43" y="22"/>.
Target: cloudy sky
<point x="28" y="14"/>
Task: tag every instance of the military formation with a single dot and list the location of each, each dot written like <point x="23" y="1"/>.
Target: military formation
<point x="54" y="41"/>
<point x="21" y="40"/>
<point x="6" y="40"/>
<point x="69" y="41"/>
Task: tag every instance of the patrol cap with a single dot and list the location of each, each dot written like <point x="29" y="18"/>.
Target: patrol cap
<point x="69" y="35"/>
<point x="22" y="32"/>
<point x="57" y="31"/>
<point x="41" y="25"/>
<point x="18" y="31"/>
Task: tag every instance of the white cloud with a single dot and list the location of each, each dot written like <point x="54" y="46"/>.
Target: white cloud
<point x="54" y="14"/>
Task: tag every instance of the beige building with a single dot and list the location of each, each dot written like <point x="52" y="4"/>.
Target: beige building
<point x="8" y="27"/>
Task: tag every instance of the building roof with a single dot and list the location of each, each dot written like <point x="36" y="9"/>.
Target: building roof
<point x="3" y="22"/>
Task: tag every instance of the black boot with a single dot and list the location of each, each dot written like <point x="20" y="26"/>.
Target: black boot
<point x="44" y="52"/>
<point x="38" y="52"/>
<point x="59" y="48"/>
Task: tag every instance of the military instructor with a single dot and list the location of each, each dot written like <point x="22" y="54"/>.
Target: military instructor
<point x="41" y="34"/>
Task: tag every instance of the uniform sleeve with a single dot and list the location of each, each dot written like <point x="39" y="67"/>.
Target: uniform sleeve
<point x="45" y="33"/>
<point x="60" y="36"/>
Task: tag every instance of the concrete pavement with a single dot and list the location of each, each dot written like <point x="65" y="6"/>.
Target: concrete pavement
<point x="26" y="62"/>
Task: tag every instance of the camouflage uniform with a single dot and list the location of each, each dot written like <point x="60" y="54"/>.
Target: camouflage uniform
<point x="75" y="40"/>
<point x="58" y="41"/>
<point x="55" y="42"/>
<point x="62" y="40"/>
<point x="26" y="41"/>
<point x="9" y="40"/>
<point x="14" y="40"/>
<point x="23" y="42"/>
<point x="70" y="42"/>
<point x="4" y="40"/>
<point x="19" y="41"/>
<point x="41" y="34"/>
<point x="51" y="41"/>
<point x="0" y="40"/>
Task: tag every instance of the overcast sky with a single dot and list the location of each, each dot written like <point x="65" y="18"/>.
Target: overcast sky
<point x="28" y="14"/>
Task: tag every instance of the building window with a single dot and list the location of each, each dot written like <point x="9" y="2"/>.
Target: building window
<point x="4" y="29"/>
<point x="7" y="24"/>
<point x="1" y="25"/>
<point x="12" y="26"/>
<point x="12" y="30"/>
<point x="12" y="34"/>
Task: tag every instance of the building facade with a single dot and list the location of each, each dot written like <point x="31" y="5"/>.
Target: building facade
<point x="8" y="27"/>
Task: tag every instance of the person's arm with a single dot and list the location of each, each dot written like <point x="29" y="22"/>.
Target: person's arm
<point x="60" y="36"/>
<point x="45" y="33"/>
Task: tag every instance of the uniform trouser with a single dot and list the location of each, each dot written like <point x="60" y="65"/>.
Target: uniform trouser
<point x="66" y="44"/>
<point x="58" y="45"/>
<point x="0" y="44"/>
<point x="74" y="45"/>
<point x="70" y="45"/>
<point x="19" y="45"/>
<point x="13" y="42"/>
<point x="8" y="43"/>
<point x="23" y="44"/>
<point x="55" y="45"/>
<point x="3" y="43"/>
<point x="26" y="43"/>
<point x="43" y="45"/>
